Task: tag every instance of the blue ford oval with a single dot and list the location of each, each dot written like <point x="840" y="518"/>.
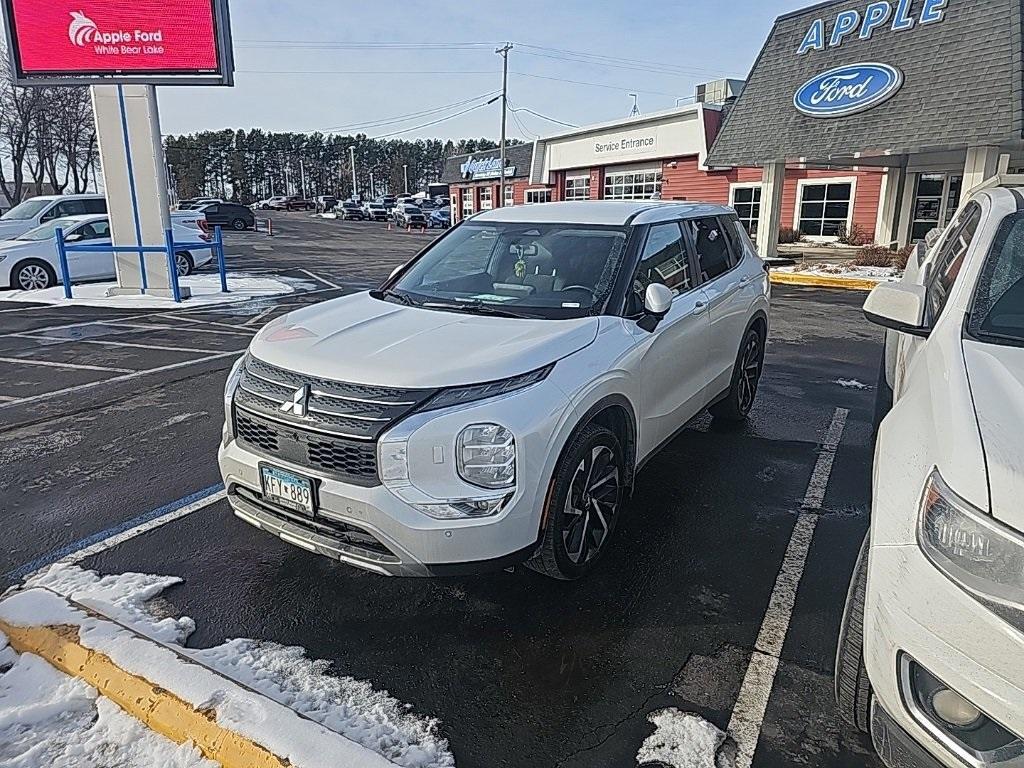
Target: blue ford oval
<point x="847" y="90"/>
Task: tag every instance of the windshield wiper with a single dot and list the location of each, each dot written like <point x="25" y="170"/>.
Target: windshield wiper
<point x="401" y="298"/>
<point x="476" y="308"/>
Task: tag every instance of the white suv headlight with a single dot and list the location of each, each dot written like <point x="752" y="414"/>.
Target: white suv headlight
<point x="486" y="456"/>
<point x="978" y="553"/>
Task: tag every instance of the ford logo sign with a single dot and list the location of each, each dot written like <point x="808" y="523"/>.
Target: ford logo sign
<point x="847" y="90"/>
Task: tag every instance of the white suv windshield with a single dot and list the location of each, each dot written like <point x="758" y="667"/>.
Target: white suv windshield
<point x="997" y="315"/>
<point x="25" y="210"/>
<point x="534" y="270"/>
<point x="49" y="229"/>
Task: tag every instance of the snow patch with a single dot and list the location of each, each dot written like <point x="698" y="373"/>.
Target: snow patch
<point x="205" y="291"/>
<point x="877" y="274"/>
<point x="684" y="740"/>
<point x="852" y="384"/>
<point x="370" y="718"/>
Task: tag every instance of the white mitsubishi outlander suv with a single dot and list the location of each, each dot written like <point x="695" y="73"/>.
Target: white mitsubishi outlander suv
<point x="492" y="401"/>
<point x="931" y="654"/>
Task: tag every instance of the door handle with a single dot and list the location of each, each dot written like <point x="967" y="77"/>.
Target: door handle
<point x="699" y="307"/>
<point x="748" y="280"/>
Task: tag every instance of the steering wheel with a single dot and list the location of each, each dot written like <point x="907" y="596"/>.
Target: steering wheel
<point x="581" y="288"/>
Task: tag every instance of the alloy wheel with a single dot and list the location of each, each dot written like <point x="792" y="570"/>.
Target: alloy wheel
<point x="750" y="373"/>
<point x="33" y="277"/>
<point x="591" y="505"/>
<point x="182" y="265"/>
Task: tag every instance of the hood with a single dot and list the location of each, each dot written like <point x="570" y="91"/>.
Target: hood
<point x="7" y="245"/>
<point x="363" y="340"/>
<point x="997" y="386"/>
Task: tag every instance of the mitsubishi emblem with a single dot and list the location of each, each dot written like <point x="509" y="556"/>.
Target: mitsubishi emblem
<point x="297" y="405"/>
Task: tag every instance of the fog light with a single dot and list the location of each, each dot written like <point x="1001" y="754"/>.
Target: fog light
<point x="955" y="709"/>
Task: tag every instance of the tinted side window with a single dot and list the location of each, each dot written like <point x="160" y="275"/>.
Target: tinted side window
<point x="70" y="208"/>
<point x="95" y="206"/>
<point x="712" y="247"/>
<point x="950" y="260"/>
<point x="731" y="227"/>
<point x="211" y="210"/>
<point x="664" y="261"/>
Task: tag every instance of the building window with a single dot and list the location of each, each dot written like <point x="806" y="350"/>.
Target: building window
<point x="824" y="209"/>
<point x="746" y="199"/>
<point x="577" y="187"/>
<point x="538" y="196"/>
<point x="510" y="196"/>
<point x="632" y="185"/>
<point x="485" y="199"/>
<point x="467" y="203"/>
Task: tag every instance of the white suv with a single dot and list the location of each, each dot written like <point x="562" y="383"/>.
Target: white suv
<point x="492" y="402"/>
<point x="931" y="655"/>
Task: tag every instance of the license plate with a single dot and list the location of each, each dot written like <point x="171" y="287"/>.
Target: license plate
<point x="288" y="489"/>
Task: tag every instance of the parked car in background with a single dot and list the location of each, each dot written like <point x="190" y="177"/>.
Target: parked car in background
<point x="325" y="203"/>
<point x="375" y="211"/>
<point x="931" y="652"/>
<point x="410" y="217"/>
<point x="30" y="213"/>
<point x="442" y="217"/>
<point x="351" y="211"/>
<point x="30" y="260"/>
<point x="492" y="402"/>
<point x="234" y="215"/>
<point x="275" y="203"/>
<point x="296" y="203"/>
<point x="389" y="202"/>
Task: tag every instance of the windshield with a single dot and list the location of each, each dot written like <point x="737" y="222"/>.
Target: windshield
<point x="48" y="230"/>
<point x="533" y="270"/>
<point x="998" y="312"/>
<point x="26" y="210"/>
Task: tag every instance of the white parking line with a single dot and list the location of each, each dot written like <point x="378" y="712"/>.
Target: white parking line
<point x="160" y="347"/>
<point x="73" y="366"/>
<point x="114" y="380"/>
<point x="187" y="329"/>
<point x="322" y="280"/>
<point x="748" y="713"/>
<point x="6" y="398"/>
<point x="257" y="318"/>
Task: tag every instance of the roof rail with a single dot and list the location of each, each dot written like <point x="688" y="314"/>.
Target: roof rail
<point x="999" y="180"/>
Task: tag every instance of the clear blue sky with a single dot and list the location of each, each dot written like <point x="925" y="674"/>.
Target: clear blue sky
<point x="690" y="40"/>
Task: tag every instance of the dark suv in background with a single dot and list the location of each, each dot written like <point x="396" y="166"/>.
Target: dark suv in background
<point x="238" y="217"/>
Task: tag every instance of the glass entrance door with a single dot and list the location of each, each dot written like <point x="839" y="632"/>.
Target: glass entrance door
<point x="936" y="198"/>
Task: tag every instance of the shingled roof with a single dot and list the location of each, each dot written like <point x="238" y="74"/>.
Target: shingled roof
<point x="518" y="155"/>
<point x="963" y="87"/>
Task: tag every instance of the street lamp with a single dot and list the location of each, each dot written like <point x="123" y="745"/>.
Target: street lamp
<point x="405" y="170"/>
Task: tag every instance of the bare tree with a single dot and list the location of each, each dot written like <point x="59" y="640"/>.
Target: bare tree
<point x="18" y="110"/>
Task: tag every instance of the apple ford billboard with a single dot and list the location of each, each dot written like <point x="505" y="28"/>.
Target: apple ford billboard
<point x="154" y="42"/>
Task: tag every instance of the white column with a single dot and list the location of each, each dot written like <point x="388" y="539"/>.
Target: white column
<point x="889" y="204"/>
<point x="982" y="164"/>
<point x="135" y="176"/>
<point x="772" y="179"/>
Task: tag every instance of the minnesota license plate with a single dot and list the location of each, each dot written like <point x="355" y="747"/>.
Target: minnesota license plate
<point x="287" y="489"/>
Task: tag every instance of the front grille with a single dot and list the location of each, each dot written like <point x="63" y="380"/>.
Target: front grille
<point x="337" y="434"/>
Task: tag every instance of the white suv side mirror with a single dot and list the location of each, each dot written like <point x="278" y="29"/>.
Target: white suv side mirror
<point x="898" y="307"/>
<point x="658" y="300"/>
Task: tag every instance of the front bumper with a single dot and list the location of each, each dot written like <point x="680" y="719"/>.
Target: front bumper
<point x="372" y="527"/>
<point x="895" y="746"/>
<point x="914" y="611"/>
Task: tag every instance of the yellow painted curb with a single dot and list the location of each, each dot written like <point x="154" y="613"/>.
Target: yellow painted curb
<point x="821" y="281"/>
<point x="159" y="709"/>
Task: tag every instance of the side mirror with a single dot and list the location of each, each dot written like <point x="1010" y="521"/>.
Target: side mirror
<point x="657" y="302"/>
<point x="898" y="307"/>
<point x="74" y="237"/>
<point x="395" y="271"/>
<point x="932" y="237"/>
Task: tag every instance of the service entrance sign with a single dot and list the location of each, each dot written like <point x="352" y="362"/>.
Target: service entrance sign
<point x="152" y="42"/>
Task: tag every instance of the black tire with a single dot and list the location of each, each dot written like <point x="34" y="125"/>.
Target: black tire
<point x="184" y="263"/>
<point x="33" y="274"/>
<point x="852" y="687"/>
<point x="883" y="396"/>
<point x="745" y="377"/>
<point x="239" y="225"/>
<point x="574" y="485"/>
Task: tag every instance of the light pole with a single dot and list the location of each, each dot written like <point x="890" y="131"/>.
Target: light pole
<point x="372" y="195"/>
<point x="405" y="171"/>
<point x="302" y="177"/>
<point x="352" y="157"/>
<point x="503" y="52"/>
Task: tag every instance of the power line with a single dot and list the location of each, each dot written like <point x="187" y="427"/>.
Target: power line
<point x="545" y="117"/>
<point x="434" y="122"/>
<point x="403" y="118"/>
<point x="619" y="88"/>
<point x="365" y="45"/>
<point x="621" y="60"/>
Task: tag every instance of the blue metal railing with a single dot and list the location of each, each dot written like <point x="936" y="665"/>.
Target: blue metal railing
<point x="170" y="248"/>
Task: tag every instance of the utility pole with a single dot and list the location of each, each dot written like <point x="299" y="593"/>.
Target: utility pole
<point x="405" y="171"/>
<point x="352" y="157"/>
<point x="503" y="52"/>
<point x="636" y="110"/>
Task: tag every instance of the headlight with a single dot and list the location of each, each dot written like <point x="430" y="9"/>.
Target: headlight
<point x="474" y="392"/>
<point x="486" y="456"/>
<point x="981" y="555"/>
<point x="229" y="395"/>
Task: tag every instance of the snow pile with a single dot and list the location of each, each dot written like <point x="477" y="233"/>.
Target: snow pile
<point x="852" y="384"/>
<point x="205" y="291"/>
<point x="684" y="740"/>
<point x="877" y="274"/>
<point x="51" y="720"/>
<point x="284" y="675"/>
<point x="328" y="215"/>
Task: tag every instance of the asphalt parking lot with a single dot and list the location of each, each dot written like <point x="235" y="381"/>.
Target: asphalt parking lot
<point x="109" y="418"/>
